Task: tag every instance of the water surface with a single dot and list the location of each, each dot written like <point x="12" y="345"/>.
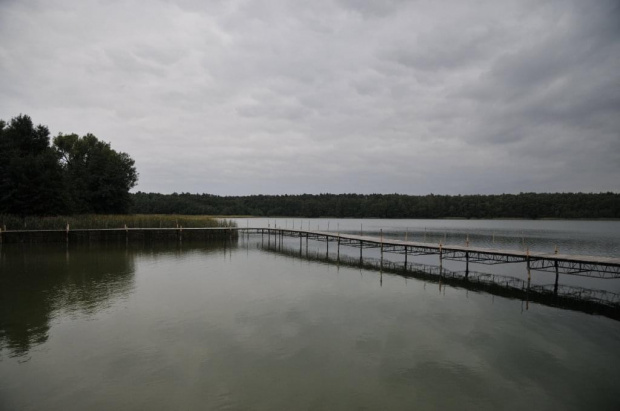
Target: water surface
<point x="233" y="326"/>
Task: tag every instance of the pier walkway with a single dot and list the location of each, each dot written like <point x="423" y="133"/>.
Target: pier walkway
<point x="588" y="266"/>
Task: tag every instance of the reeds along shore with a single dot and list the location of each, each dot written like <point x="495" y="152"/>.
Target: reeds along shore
<point x="95" y="221"/>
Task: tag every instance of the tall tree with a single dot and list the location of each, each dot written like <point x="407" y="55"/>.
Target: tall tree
<point x="30" y="174"/>
<point x="98" y="178"/>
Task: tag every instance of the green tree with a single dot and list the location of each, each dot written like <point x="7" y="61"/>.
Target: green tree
<point x="98" y="178"/>
<point x="30" y="174"/>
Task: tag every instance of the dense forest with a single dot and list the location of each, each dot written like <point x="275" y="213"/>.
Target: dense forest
<point x="524" y="205"/>
<point x="83" y="175"/>
<point x="71" y="175"/>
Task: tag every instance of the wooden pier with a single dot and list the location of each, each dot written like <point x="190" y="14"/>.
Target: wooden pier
<point x="582" y="299"/>
<point x="587" y="266"/>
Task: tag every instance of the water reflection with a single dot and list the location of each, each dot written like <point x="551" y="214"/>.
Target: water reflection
<point x="40" y="282"/>
<point x="199" y="326"/>
<point x="582" y="299"/>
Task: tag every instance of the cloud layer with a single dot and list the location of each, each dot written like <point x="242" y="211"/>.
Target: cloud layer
<point x="247" y="97"/>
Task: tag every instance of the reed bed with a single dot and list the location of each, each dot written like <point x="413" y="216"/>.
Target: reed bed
<point x="97" y="221"/>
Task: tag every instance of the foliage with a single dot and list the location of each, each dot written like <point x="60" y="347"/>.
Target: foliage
<point x="75" y="175"/>
<point x="30" y="173"/>
<point x="98" y="178"/>
<point x="94" y="221"/>
<point x="524" y="205"/>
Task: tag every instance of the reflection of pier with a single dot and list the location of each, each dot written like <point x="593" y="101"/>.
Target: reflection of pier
<point x="574" y="298"/>
<point x="586" y="266"/>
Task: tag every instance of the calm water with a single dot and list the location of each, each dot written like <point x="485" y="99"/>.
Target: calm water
<point x="238" y="327"/>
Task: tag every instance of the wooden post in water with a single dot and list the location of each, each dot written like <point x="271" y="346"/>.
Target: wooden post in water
<point x="466" y="264"/>
<point x="406" y="252"/>
<point x="338" y="255"/>
<point x="440" y="256"/>
<point x="361" y="248"/>
<point x="529" y="272"/>
<point x="557" y="276"/>
<point x="381" y="231"/>
<point x="300" y="244"/>
<point x="327" y="248"/>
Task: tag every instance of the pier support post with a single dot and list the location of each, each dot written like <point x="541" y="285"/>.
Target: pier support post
<point x="406" y="255"/>
<point x="361" y="248"/>
<point x="381" y="248"/>
<point x="327" y="248"/>
<point x="529" y="271"/>
<point x="557" y="276"/>
<point x="466" y="264"/>
<point x="440" y="256"/>
<point x="338" y="255"/>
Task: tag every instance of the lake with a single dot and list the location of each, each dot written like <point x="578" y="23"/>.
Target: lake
<point x="240" y="326"/>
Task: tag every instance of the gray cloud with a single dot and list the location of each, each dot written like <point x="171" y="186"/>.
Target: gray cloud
<point x="245" y="97"/>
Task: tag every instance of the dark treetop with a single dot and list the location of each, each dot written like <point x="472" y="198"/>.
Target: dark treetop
<point x="74" y="175"/>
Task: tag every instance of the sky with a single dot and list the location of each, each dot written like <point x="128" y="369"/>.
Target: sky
<point x="328" y="96"/>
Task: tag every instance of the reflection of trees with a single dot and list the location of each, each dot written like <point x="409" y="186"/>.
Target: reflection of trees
<point x="41" y="281"/>
<point x="37" y="281"/>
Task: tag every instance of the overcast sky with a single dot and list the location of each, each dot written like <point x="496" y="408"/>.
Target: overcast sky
<point x="246" y="97"/>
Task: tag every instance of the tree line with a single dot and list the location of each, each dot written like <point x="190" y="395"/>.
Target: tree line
<point x="69" y="175"/>
<point x="523" y="205"/>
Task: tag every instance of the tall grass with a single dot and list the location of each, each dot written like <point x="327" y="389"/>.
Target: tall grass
<point x="92" y="221"/>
